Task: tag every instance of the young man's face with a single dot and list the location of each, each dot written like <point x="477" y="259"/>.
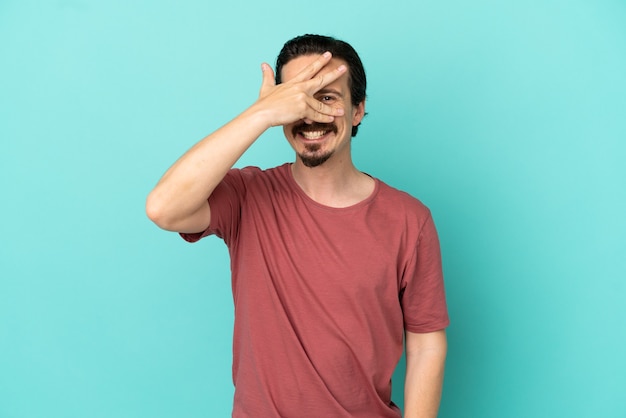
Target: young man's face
<point x="316" y="143"/>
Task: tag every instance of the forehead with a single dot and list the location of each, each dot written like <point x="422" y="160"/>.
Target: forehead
<point x="296" y="65"/>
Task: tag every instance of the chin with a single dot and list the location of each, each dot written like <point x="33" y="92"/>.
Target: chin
<point x="314" y="160"/>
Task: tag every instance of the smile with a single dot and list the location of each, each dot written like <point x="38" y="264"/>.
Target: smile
<point x="314" y="134"/>
<point x="313" y="131"/>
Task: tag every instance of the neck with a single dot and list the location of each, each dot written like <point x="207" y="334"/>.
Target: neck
<point x="333" y="183"/>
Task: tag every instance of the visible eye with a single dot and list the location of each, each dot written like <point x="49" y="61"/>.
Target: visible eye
<point x="326" y="98"/>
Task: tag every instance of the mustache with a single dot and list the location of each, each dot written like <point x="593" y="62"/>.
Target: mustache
<point x="312" y="127"/>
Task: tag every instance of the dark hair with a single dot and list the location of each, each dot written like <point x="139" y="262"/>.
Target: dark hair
<point x="318" y="44"/>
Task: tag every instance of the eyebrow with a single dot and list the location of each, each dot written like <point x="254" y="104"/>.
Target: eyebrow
<point x="327" y="90"/>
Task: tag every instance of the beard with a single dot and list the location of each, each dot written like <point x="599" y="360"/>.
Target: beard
<point x="312" y="157"/>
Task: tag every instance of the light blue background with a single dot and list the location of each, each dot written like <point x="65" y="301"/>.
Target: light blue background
<point x="508" y="119"/>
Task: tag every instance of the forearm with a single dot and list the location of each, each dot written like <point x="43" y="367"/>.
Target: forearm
<point x="424" y="375"/>
<point x="185" y="187"/>
<point x="179" y="200"/>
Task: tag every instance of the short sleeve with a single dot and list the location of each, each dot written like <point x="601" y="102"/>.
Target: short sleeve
<point x="423" y="297"/>
<point x="225" y="203"/>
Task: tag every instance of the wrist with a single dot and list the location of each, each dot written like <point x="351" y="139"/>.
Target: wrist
<point x="259" y="116"/>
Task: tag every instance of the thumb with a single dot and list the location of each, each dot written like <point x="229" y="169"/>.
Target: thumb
<point x="269" y="80"/>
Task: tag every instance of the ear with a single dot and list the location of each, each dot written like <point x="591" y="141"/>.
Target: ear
<point x="358" y="112"/>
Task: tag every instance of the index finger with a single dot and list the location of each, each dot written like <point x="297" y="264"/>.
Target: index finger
<point x="322" y="80"/>
<point x="313" y="68"/>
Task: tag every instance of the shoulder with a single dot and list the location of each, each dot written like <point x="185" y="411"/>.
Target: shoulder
<point x="400" y="211"/>
<point x="252" y="174"/>
<point x="401" y="202"/>
<point x="254" y="181"/>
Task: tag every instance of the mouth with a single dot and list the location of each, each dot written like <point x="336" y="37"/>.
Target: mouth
<point x="314" y="131"/>
<point x="314" y="135"/>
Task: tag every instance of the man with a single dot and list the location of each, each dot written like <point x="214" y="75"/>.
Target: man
<point x="331" y="268"/>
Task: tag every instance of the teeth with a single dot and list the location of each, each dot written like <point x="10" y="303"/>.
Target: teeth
<point x="314" y="134"/>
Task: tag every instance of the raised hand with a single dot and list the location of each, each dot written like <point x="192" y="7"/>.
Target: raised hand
<point x="179" y="200"/>
<point x="294" y="99"/>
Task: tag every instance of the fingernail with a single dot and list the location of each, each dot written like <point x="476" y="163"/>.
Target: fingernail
<point x="341" y="68"/>
<point x="326" y="54"/>
<point x="340" y="111"/>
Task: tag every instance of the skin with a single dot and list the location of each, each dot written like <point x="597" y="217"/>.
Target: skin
<point x="425" y="361"/>
<point x="315" y="90"/>
<point x="179" y="200"/>
<point x="336" y="182"/>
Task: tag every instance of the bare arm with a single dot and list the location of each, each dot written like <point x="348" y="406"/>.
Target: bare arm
<point x="425" y="359"/>
<point x="179" y="200"/>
